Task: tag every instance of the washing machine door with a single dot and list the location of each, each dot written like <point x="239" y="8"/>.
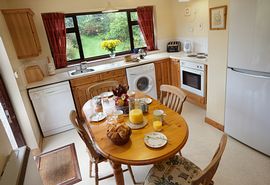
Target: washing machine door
<point x="144" y="83"/>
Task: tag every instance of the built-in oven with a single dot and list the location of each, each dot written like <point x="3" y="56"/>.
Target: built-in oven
<point x="192" y="76"/>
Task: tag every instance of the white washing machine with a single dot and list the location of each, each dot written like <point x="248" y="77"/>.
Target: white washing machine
<point x="142" y="78"/>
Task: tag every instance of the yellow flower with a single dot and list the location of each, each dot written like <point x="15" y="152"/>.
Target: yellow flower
<point x="110" y="45"/>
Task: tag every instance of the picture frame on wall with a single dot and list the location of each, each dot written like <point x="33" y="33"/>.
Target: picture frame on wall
<point x="218" y="18"/>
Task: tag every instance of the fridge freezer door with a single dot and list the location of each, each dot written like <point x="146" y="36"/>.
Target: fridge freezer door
<point x="248" y="109"/>
<point x="249" y="40"/>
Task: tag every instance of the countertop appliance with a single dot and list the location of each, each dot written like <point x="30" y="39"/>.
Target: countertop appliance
<point x="174" y="46"/>
<point x="248" y="74"/>
<point x="192" y="77"/>
<point x="187" y="46"/>
<point x="142" y="53"/>
<point x="52" y="104"/>
<point x="142" y="78"/>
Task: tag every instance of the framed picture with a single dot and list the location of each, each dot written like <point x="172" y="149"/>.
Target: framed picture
<point x="218" y="16"/>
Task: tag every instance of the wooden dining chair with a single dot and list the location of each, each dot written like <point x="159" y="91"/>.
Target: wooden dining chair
<point x="172" y="97"/>
<point x="95" y="156"/>
<point x="179" y="170"/>
<point x="100" y="87"/>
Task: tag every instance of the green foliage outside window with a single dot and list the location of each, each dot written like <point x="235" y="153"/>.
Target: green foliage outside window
<point x="95" y="28"/>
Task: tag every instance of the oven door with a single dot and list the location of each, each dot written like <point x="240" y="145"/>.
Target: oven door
<point x="192" y="80"/>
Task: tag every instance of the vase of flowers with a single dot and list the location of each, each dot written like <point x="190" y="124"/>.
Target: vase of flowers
<point x="121" y="98"/>
<point x="110" y="46"/>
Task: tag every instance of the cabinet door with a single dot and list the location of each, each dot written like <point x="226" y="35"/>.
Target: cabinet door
<point x="23" y="32"/>
<point x="163" y="73"/>
<point x="175" y="72"/>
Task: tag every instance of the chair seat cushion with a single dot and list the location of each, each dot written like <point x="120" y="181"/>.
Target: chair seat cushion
<point x="174" y="171"/>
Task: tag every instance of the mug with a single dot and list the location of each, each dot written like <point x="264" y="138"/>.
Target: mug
<point x="158" y="115"/>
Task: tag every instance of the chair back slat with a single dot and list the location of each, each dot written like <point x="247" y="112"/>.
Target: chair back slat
<point x="205" y="178"/>
<point x="83" y="134"/>
<point x="98" y="88"/>
<point x="172" y="97"/>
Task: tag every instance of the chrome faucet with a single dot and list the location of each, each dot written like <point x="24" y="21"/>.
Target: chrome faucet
<point x="82" y="67"/>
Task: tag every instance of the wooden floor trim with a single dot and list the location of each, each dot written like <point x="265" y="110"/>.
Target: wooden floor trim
<point x="214" y="124"/>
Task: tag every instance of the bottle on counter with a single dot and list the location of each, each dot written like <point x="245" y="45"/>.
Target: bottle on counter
<point x="98" y="104"/>
<point x="50" y="67"/>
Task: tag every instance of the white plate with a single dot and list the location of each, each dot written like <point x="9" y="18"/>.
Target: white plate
<point x="137" y="126"/>
<point x="155" y="140"/>
<point x="147" y="100"/>
<point x="98" y="116"/>
<point x="106" y="94"/>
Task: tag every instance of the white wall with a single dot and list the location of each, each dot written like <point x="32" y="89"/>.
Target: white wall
<point x="16" y="98"/>
<point x="217" y="64"/>
<point x="5" y="147"/>
<point x="192" y="27"/>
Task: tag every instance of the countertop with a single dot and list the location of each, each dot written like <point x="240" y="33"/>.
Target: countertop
<point x="64" y="76"/>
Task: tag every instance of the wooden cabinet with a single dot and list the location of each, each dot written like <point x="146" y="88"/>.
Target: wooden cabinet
<point x="175" y="72"/>
<point x="23" y="32"/>
<point x="80" y="85"/>
<point x="163" y="73"/>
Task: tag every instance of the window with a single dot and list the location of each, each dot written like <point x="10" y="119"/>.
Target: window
<point x="86" y="31"/>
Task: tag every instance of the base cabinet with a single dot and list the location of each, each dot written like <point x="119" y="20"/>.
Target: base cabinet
<point x="175" y="72"/>
<point x="80" y="85"/>
<point x="163" y="73"/>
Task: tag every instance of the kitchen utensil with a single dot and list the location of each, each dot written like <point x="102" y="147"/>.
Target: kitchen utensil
<point x="158" y="115"/>
<point x="187" y="46"/>
<point x="96" y="117"/>
<point x="50" y="67"/>
<point x="174" y="46"/>
<point x="33" y="74"/>
<point x="137" y="126"/>
<point x="142" y="53"/>
<point x="155" y="140"/>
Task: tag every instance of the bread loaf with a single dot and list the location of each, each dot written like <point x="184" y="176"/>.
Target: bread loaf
<point x="118" y="133"/>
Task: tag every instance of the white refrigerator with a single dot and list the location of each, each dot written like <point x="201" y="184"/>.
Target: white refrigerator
<point x="247" y="114"/>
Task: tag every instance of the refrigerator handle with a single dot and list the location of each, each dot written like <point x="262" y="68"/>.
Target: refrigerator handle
<point x="254" y="74"/>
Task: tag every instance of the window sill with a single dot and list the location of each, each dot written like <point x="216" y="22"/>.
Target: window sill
<point x="107" y="60"/>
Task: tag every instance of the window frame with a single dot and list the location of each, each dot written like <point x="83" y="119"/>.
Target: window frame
<point x="75" y="30"/>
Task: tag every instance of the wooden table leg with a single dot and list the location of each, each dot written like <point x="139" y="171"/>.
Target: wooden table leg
<point x="118" y="173"/>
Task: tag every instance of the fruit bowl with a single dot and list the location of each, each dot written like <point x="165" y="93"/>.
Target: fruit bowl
<point x="121" y="98"/>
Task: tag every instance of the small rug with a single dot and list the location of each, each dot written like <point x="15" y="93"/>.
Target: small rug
<point x="59" y="166"/>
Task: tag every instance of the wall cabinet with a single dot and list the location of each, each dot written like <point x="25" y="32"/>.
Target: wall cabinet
<point x="23" y="32"/>
<point x="80" y="85"/>
<point x="163" y="73"/>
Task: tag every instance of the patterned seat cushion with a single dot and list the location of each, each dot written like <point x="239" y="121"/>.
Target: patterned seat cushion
<point x="174" y="171"/>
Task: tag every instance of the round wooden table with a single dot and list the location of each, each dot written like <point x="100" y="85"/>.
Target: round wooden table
<point x="135" y="152"/>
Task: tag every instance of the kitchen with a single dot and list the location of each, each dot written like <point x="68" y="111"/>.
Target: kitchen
<point x="178" y="27"/>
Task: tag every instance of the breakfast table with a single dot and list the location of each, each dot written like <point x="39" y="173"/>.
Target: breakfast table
<point x="135" y="151"/>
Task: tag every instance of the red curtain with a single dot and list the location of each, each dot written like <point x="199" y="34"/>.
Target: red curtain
<point x="54" y="24"/>
<point x="145" y="20"/>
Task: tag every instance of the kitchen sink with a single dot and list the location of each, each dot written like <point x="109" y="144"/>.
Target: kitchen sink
<point x="79" y="72"/>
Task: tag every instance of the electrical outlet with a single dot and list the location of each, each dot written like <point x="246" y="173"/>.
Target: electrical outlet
<point x="201" y="26"/>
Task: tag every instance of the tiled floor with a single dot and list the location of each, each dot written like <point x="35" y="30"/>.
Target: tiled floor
<point x="240" y="164"/>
